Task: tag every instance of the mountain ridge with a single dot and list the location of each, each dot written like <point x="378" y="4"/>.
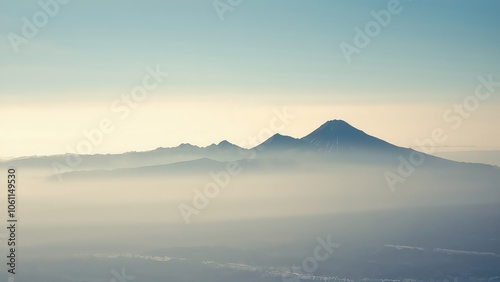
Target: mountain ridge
<point x="334" y="140"/>
<point x="313" y="137"/>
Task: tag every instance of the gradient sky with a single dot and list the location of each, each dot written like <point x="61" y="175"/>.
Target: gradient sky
<point x="227" y="76"/>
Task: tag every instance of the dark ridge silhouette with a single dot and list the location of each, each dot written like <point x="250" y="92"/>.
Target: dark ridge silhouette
<point x="334" y="142"/>
<point x="224" y="144"/>
<point x="281" y="142"/>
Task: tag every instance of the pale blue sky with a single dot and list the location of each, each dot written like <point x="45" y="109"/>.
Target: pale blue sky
<point x="282" y="52"/>
<point x="431" y="47"/>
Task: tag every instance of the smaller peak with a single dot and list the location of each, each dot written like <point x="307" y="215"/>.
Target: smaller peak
<point x="278" y="140"/>
<point x="224" y="143"/>
<point x="186" y="145"/>
<point x="277" y="135"/>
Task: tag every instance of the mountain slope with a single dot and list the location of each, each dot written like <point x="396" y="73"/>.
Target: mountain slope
<point x="338" y="135"/>
<point x="282" y="142"/>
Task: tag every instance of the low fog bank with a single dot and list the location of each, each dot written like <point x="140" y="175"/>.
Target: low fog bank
<point x="254" y="225"/>
<point x="423" y="243"/>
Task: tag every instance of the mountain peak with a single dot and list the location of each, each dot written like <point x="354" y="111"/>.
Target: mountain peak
<point x="279" y="141"/>
<point x="337" y="125"/>
<point x="335" y="135"/>
<point x="338" y="121"/>
<point x="225" y="144"/>
<point x="186" y="146"/>
<point x="280" y="136"/>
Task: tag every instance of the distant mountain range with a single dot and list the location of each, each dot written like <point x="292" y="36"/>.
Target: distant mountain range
<point x="334" y="142"/>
